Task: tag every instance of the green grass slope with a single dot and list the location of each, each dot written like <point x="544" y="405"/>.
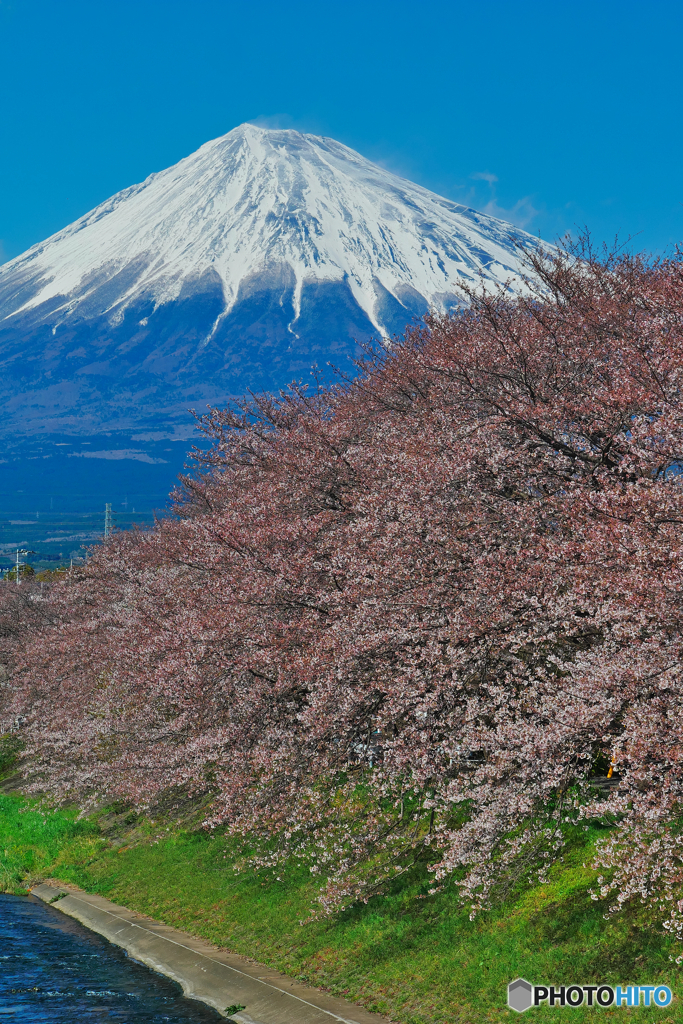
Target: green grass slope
<point x="418" y="959"/>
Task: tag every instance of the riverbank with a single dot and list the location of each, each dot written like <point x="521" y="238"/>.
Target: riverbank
<point x="245" y="992"/>
<point x="412" y="957"/>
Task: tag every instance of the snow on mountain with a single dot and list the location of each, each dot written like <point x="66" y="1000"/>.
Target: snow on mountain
<point x="255" y="200"/>
<point x="261" y="254"/>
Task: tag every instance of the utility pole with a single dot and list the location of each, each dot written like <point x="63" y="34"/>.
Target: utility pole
<point x="107" y="520"/>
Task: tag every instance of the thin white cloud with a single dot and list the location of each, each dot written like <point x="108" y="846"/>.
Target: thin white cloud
<point x="484" y="176"/>
<point x="521" y="214"/>
<point x="308" y="126"/>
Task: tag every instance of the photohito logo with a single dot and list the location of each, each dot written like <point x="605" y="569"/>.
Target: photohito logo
<point x="522" y="995"/>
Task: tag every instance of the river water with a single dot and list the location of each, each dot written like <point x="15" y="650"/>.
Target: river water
<point x="54" y="970"/>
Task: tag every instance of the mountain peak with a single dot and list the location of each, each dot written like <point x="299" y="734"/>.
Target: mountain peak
<point x="258" y="196"/>
<point x="263" y="252"/>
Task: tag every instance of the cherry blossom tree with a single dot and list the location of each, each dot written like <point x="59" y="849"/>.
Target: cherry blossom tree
<point x="414" y="614"/>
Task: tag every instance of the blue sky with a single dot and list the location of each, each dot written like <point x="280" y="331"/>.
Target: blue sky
<point x="554" y="115"/>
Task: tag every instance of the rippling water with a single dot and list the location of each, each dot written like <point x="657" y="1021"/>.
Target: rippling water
<point x="54" y="970"/>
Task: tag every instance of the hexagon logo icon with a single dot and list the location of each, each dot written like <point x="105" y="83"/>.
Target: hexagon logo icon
<point x="520" y="995"/>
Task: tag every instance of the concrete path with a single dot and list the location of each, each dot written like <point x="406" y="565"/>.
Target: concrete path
<point x="206" y="973"/>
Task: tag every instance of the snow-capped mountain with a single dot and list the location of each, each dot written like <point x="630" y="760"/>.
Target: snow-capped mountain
<point x="262" y="253"/>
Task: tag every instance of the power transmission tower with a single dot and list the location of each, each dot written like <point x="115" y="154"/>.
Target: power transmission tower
<point x="107" y="520"/>
<point x="18" y="563"/>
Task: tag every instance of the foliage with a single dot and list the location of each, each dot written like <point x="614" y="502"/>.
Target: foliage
<point x="10" y="750"/>
<point x="51" y="575"/>
<point x="410" y="616"/>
